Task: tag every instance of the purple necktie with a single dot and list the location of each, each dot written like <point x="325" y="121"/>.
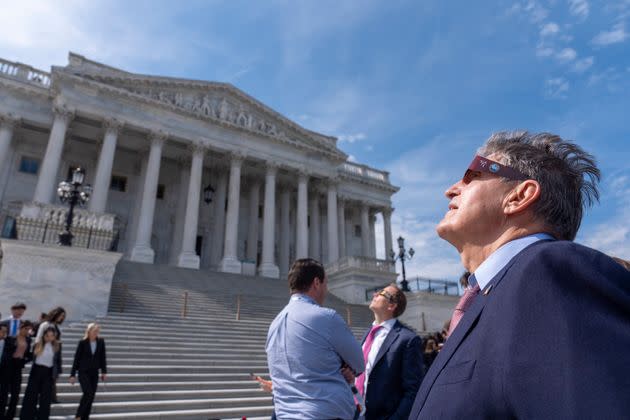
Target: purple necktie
<point x="462" y="306"/>
<point x="369" y="340"/>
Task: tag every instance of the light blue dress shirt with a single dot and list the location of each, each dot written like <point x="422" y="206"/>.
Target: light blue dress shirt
<point x="306" y="347"/>
<point x="499" y="258"/>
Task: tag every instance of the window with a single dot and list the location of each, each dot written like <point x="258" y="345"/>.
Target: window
<point x="29" y="165"/>
<point x="160" y="192"/>
<point x="118" y="183"/>
<point x="8" y="230"/>
<point x="357" y="231"/>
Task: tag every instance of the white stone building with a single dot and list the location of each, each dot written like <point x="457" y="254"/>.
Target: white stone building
<point x="150" y="145"/>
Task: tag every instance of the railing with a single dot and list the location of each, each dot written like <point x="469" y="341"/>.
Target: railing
<point x="364" y="263"/>
<point x="89" y="230"/>
<point x="421" y="284"/>
<point x="434" y="286"/>
<point x="365" y="172"/>
<point x="24" y="73"/>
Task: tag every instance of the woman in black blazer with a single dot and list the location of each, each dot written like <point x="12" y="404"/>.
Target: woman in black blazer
<point x="88" y="359"/>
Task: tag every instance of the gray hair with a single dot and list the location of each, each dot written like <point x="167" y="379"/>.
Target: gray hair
<point x="568" y="176"/>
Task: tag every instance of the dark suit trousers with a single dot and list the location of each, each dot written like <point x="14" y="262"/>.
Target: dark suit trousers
<point x="12" y="386"/>
<point x="89" y="381"/>
<point x="38" y="390"/>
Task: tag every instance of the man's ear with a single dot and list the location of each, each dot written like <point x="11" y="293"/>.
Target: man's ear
<point x="522" y="197"/>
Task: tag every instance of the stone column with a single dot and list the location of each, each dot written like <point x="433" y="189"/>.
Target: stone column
<point x="142" y="251"/>
<point x="7" y="126"/>
<point x="268" y="267"/>
<point x="219" y="220"/>
<point x="98" y="201"/>
<point x="372" y="235"/>
<point x="285" y="228"/>
<point x="52" y="159"/>
<point x="333" y="240"/>
<point x="230" y="262"/>
<point x="314" y="231"/>
<point x="341" y="226"/>
<point x="387" y="231"/>
<point x="188" y="258"/>
<point x="252" y="232"/>
<point x="365" y="230"/>
<point x="301" y="219"/>
<point x="184" y="164"/>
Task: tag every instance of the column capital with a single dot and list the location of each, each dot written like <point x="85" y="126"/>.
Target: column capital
<point x="158" y="137"/>
<point x="272" y="167"/>
<point x="237" y="157"/>
<point x="9" y="120"/>
<point x="387" y="211"/>
<point x="64" y="112"/>
<point x="112" y="125"/>
<point x="197" y="148"/>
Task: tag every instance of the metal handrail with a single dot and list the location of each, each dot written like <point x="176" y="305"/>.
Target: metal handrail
<point x="185" y="307"/>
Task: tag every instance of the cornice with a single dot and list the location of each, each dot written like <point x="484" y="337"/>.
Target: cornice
<point x="26" y="88"/>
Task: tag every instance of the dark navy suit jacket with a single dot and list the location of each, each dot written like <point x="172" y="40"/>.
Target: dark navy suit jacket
<point x="395" y="376"/>
<point x="548" y="338"/>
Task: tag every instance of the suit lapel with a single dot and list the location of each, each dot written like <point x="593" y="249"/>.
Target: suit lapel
<point x="465" y="325"/>
<point x="392" y="335"/>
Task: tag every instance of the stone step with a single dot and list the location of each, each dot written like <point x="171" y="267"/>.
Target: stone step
<point x="235" y="367"/>
<point x="107" y="394"/>
<point x="63" y="386"/>
<point x="252" y="413"/>
<point x="234" y="405"/>
<point x="169" y="376"/>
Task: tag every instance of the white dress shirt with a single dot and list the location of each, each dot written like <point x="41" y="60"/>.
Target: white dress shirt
<point x="379" y="338"/>
<point x="47" y="356"/>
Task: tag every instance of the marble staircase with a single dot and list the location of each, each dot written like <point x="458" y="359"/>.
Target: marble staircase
<point x="167" y="362"/>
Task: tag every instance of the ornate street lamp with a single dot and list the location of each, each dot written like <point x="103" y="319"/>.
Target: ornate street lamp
<point x="72" y="193"/>
<point x="208" y="194"/>
<point x="402" y="255"/>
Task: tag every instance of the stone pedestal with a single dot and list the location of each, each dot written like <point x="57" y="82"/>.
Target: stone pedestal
<point x="427" y="312"/>
<point x="43" y="277"/>
<point x="350" y="277"/>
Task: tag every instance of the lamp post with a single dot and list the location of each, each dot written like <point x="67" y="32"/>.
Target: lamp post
<point x="72" y="193"/>
<point x="402" y="255"/>
<point x="208" y="194"/>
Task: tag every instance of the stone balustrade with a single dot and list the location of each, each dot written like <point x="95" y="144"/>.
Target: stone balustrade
<point x="364" y="172"/>
<point x="361" y="263"/>
<point x="24" y="73"/>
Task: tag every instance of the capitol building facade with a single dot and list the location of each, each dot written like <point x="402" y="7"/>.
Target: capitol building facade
<point x="187" y="173"/>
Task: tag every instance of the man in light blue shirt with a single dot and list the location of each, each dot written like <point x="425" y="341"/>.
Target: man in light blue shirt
<point x="306" y="347"/>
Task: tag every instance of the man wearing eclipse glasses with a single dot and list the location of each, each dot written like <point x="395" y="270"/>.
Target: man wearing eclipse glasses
<point x="393" y="359"/>
<point x="542" y="330"/>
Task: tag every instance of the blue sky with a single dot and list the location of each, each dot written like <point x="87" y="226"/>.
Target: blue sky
<point x="413" y="87"/>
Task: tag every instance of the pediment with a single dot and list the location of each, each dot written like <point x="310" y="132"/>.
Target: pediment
<point x="217" y="102"/>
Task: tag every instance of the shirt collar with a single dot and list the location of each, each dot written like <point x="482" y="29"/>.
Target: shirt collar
<point x="300" y="296"/>
<point x="386" y="325"/>
<point x="499" y="258"/>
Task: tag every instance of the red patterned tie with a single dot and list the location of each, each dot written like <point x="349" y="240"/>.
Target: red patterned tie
<point x="360" y="381"/>
<point x="462" y="306"/>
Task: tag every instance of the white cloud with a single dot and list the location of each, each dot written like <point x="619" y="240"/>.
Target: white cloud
<point x="583" y="64"/>
<point x="535" y="11"/>
<point x="351" y="138"/>
<point x="566" y="55"/>
<point x="544" y="51"/>
<point x="556" y="88"/>
<point x="613" y="236"/>
<point x="579" y="8"/>
<point x="351" y="158"/>
<point x="615" y="35"/>
<point x="549" y="29"/>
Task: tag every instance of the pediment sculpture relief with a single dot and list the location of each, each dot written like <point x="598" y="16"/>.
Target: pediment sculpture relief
<point x="216" y="107"/>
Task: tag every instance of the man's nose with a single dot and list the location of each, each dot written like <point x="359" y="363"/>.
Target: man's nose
<point x="453" y="190"/>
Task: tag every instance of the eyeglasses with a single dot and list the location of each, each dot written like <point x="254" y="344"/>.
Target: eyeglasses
<point x="386" y="295"/>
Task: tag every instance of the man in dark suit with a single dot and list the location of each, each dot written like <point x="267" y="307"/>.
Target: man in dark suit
<point x="393" y="359"/>
<point x="15" y="320"/>
<point x="542" y="330"/>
